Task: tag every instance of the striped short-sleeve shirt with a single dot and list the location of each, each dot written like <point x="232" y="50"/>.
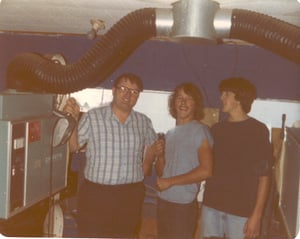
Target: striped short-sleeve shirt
<point x="114" y="151"/>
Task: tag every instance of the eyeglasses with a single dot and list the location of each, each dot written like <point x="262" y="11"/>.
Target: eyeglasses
<point x="125" y="89"/>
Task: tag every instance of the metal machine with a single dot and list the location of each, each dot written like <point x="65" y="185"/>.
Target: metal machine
<point x="289" y="182"/>
<point x="32" y="168"/>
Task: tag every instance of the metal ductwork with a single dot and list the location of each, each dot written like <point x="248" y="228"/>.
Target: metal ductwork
<point x="200" y="21"/>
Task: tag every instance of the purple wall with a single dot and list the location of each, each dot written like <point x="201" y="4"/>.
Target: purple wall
<point x="162" y="65"/>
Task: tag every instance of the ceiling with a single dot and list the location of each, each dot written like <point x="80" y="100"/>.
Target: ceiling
<point x="74" y="16"/>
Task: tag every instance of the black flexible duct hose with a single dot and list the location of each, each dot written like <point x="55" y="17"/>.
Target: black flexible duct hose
<point x="32" y="72"/>
<point x="267" y="32"/>
<point x="35" y="73"/>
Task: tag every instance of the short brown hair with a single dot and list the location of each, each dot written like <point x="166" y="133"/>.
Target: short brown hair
<point x="244" y="90"/>
<point x="132" y="78"/>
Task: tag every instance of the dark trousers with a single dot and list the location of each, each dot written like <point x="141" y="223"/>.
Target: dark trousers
<point x="176" y="221"/>
<point x="110" y="211"/>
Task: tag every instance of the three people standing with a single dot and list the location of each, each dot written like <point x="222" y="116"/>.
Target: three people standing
<point x="121" y="145"/>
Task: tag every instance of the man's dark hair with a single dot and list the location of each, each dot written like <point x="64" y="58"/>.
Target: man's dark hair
<point x="132" y="78"/>
<point x="191" y="90"/>
<point x="244" y="90"/>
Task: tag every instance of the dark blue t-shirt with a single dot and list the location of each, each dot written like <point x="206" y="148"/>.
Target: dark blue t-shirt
<point x="242" y="153"/>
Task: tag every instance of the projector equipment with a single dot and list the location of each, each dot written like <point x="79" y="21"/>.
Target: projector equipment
<point x="31" y="168"/>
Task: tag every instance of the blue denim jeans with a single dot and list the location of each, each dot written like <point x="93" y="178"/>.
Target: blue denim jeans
<point x="219" y="224"/>
<point x="175" y="220"/>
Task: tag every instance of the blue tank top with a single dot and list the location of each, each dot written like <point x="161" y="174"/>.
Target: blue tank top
<point x="182" y="143"/>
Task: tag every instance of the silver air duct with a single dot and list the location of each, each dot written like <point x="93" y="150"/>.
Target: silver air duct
<point x="189" y="20"/>
<point x="194" y="21"/>
<point x="191" y="23"/>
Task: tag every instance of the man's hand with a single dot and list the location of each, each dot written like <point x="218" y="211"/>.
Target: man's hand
<point x="252" y="227"/>
<point x="71" y="107"/>
<point x="163" y="183"/>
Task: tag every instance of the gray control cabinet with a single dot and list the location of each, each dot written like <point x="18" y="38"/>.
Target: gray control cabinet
<point x="30" y="168"/>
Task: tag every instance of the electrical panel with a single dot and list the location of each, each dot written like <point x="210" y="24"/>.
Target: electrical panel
<point x="31" y="169"/>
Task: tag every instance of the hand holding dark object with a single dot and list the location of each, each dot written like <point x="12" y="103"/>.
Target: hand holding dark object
<point x="161" y="136"/>
<point x="72" y="108"/>
<point x="160" y="145"/>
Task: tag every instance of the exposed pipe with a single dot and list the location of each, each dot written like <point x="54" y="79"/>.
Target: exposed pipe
<point x="267" y="32"/>
<point x="33" y="72"/>
<point x="36" y="73"/>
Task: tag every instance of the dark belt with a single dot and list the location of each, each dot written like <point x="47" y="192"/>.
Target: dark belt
<point x="113" y="186"/>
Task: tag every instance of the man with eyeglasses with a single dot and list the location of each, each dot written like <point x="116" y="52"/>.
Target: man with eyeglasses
<point x="120" y="149"/>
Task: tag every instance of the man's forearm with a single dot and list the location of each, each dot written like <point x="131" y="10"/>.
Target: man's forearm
<point x="73" y="141"/>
